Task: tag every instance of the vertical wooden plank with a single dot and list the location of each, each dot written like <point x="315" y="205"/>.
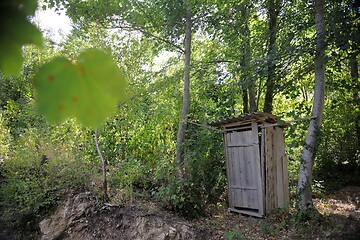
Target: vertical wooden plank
<point x="243" y="168"/>
<point x="247" y="158"/>
<point x="235" y="168"/>
<point x="270" y="181"/>
<point x="282" y="171"/>
<point x="278" y="155"/>
<point x="257" y="173"/>
<point x="262" y="167"/>
<point x="228" y="168"/>
<point x="248" y="169"/>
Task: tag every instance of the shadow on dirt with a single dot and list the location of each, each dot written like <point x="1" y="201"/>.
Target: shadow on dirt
<point x="344" y="207"/>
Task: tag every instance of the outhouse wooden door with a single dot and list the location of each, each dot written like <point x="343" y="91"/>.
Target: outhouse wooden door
<point x="245" y="185"/>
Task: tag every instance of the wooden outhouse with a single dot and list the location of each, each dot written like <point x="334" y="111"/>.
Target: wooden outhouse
<point x="256" y="163"/>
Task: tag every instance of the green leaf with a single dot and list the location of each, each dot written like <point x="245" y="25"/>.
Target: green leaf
<point x="16" y="31"/>
<point x="87" y="90"/>
<point x="11" y="59"/>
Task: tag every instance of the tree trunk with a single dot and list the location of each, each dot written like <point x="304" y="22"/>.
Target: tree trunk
<point x="311" y="142"/>
<point x="103" y="165"/>
<point x="186" y="93"/>
<point x="248" y="87"/>
<point x="245" y="62"/>
<point x="354" y="71"/>
<point x="273" y="12"/>
<point x="245" y="98"/>
<point x="252" y="93"/>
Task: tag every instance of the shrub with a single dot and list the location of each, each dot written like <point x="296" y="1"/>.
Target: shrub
<point x="182" y="197"/>
<point x="205" y="175"/>
<point x="35" y="177"/>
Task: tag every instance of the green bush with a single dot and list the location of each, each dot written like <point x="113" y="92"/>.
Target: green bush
<point x="205" y="180"/>
<point x="35" y="177"/>
<point x="5" y="139"/>
<point x="205" y="163"/>
<point x="182" y="197"/>
<point x="127" y="173"/>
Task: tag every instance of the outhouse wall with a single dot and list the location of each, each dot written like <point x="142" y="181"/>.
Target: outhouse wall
<point x="256" y="164"/>
<point x="274" y="160"/>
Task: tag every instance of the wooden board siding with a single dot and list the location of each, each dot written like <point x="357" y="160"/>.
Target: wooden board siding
<point x="282" y="180"/>
<point x="276" y="171"/>
<point x="256" y="163"/>
<point x="244" y="171"/>
<point x="269" y="169"/>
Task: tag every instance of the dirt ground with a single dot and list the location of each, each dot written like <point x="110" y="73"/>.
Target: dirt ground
<point x="338" y="218"/>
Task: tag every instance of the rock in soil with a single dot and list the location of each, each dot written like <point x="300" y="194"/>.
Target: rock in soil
<point x="82" y="217"/>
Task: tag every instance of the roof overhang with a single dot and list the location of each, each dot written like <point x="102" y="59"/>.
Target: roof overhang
<point x="241" y="120"/>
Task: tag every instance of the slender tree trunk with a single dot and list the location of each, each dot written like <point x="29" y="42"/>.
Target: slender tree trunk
<point x="252" y="95"/>
<point x="311" y="142"/>
<point x="248" y="87"/>
<point x="103" y="165"/>
<point x="273" y="12"/>
<point x="354" y="71"/>
<point x="245" y="98"/>
<point x="186" y="93"/>
<point x="245" y="71"/>
<point x="250" y="78"/>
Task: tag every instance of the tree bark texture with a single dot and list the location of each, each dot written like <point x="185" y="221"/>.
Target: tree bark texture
<point x="273" y="13"/>
<point x="354" y="71"/>
<point x="186" y="92"/>
<point x="311" y="142"/>
<point x="245" y="99"/>
<point x="248" y="84"/>
<point x="245" y="62"/>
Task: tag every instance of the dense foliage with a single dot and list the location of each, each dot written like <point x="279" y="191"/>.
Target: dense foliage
<point x="40" y="162"/>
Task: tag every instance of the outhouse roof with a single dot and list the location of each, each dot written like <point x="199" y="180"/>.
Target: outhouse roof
<point x="259" y="117"/>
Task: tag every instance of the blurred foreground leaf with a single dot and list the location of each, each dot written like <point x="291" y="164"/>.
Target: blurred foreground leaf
<point x="16" y="31"/>
<point x="87" y="90"/>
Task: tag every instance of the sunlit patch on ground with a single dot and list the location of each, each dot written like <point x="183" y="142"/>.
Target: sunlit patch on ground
<point x="345" y="203"/>
<point x="340" y="220"/>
